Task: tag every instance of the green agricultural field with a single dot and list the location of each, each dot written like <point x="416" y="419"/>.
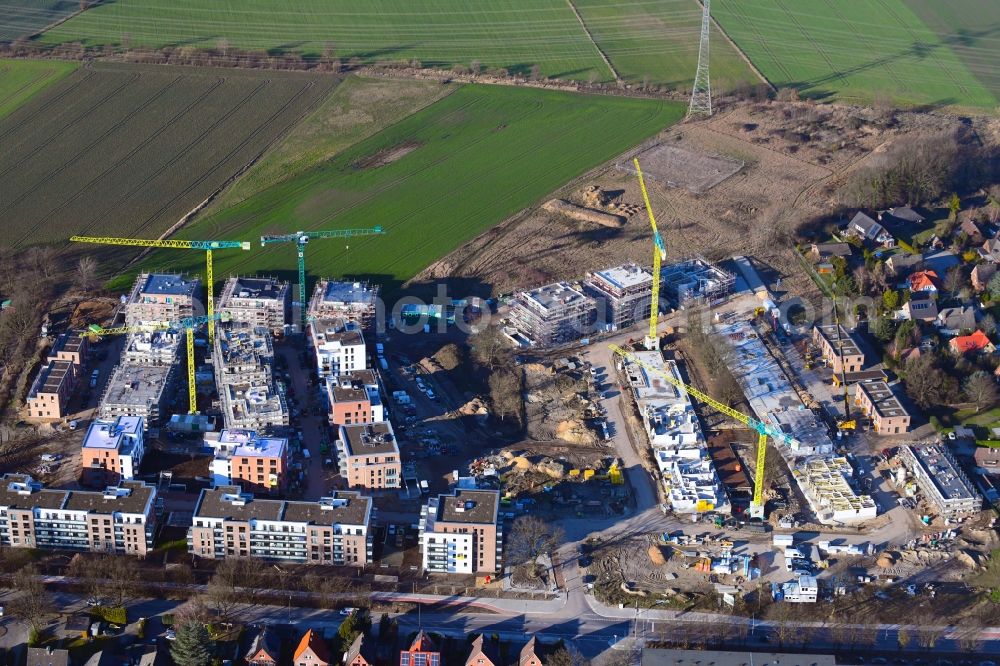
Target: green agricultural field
<point x="434" y="181"/>
<point x="852" y="51"/>
<point x="658" y="40"/>
<point x="972" y="29"/>
<point x="128" y="150"/>
<point x="357" y="108"/>
<point x="23" y="18"/>
<point x="20" y="80"/>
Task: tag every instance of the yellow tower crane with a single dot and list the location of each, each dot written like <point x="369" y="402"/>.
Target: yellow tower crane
<point x="188" y="325"/>
<point x="206" y="246"/>
<point x="763" y="429"/>
<point x="652" y="340"/>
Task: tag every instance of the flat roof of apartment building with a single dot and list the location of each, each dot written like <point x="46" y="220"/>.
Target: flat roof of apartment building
<point x="369" y="438"/>
<point x="333" y="330"/>
<point x="626" y="276"/>
<point x="881" y="396"/>
<point x="229" y="503"/>
<point x="261" y="288"/>
<point x="940" y="469"/>
<point x="111" y="434"/>
<point x="70" y="343"/>
<point x="468" y="506"/>
<point x="249" y="444"/>
<point x="50" y="377"/>
<point x="848" y="344"/>
<point x="20" y="491"/>
<point x="171" y="284"/>
<point x="348" y="293"/>
<point x="554" y="296"/>
<point x="133" y="384"/>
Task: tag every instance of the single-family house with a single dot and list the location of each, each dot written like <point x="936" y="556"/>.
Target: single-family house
<point x="990" y="251"/>
<point x="863" y="227"/>
<point x="981" y="275"/>
<point x="921" y="307"/>
<point x="312" y="651"/>
<point x="967" y="225"/>
<point x="900" y="215"/>
<point x="824" y="251"/>
<point x="926" y="281"/>
<point x="954" y="321"/>
<point x="483" y="653"/>
<point x="534" y="653"/>
<point x="361" y="652"/>
<point x="977" y="342"/>
<point x="904" y="262"/>
<point x="422" y="652"/>
<point x="988" y="457"/>
<point x="265" y="648"/>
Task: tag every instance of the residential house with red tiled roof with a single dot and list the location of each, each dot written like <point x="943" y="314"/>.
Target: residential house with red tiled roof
<point x="977" y="342"/>
<point x="924" y="281"/>
<point x="483" y="653"/>
<point x="312" y="651"/>
<point x="422" y="652"/>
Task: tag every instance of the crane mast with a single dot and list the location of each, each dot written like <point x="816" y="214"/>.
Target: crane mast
<point x="652" y="340"/>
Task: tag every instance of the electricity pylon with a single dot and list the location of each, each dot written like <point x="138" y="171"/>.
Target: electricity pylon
<point x="701" y="92"/>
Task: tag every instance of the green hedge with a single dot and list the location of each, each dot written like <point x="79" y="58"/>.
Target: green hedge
<point x="113" y="615"/>
<point x="988" y="443"/>
<point x="906" y="246"/>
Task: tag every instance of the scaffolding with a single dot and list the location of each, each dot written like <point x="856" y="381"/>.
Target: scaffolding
<point x="696" y="281"/>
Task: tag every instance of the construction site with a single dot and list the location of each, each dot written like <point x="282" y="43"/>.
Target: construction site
<point x="248" y="395"/>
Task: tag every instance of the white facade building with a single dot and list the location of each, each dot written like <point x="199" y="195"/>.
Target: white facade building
<point x="338" y="350"/>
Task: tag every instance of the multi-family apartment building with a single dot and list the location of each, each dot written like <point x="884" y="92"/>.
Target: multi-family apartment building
<point x="350" y="302"/>
<point x="369" y="455"/>
<point x="119" y="519"/>
<point x="941" y="480"/>
<point x="112" y="451"/>
<point x="553" y="314"/>
<point x="886" y="412"/>
<point x="248" y="395"/>
<point x="48" y="397"/>
<point x="256" y="463"/>
<point x="257" y="301"/>
<point x="230" y="523"/>
<point x="623" y="294"/>
<point x="139" y="390"/>
<point x="160" y="298"/>
<point x="152" y="348"/>
<point x="338" y="350"/>
<point x="354" y="398"/>
<point x="826" y="338"/>
<point x="460" y="533"/>
<point x="72" y="347"/>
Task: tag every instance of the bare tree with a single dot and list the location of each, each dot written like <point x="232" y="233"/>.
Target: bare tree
<point x="531" y="537"/>
<point x="981" y="390"/>
<point x="43" y="259"/>
<point x="33" y="604"/>
<point x="988" y="324"/>
<point x="954" y="279"/>
<point x="923" y="381"/>
<point x="222" y="593"/>
<point x="536" y="72"/>
<point x="505" y="393"/>
<point x="490" y="348"/>
<point x="86" y="272"/>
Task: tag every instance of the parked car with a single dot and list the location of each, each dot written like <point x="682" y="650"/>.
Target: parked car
<point x="347" y="611"/>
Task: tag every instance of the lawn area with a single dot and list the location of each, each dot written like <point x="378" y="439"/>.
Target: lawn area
<point x="515" y="34"/>
<point x="434" y="180"/>
<point x="22" y="18"/>
<point x="356" y="109"/>
<point x="20" y="80"/>
<point x="853" y="53"/>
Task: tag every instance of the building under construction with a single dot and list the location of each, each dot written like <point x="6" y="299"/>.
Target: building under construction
<point x="260" y="301"/>
<point x="138" y="390"/>
<point x="554" y="314"/>
<point x="695" y="281"/>
<point x="249" y="398"/>
<point x="355" y="302"/>
<point x="623" y="294"/>
<point x="160" y="298"/>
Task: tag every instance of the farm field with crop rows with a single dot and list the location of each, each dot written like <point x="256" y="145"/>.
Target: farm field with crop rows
<point x="434" y="180"/>
<point x="22" y="18"/>
<point x="972" y="29"/>
<point x="122" y="150"/>
<point x="20" y="80"/>
<point x="659" y="40"/>
<point x="824" y="48"/>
